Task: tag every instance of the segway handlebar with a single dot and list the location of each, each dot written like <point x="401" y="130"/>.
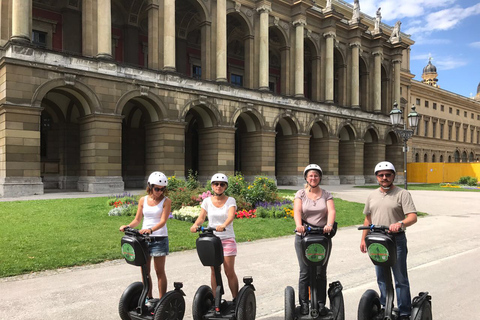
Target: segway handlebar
<point x="136" y="233"/>
<point x="207" y="229"/>
<point x="373" y="227"/>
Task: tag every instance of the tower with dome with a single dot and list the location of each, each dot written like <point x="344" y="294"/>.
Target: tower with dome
<point x="430" y="75"/>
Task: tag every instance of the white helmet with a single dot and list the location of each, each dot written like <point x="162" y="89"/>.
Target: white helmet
<point x="219" y="177"/>
<point x="157" y="178"/>
<point x="312" y="167"/>
<point x="384" y="165"/>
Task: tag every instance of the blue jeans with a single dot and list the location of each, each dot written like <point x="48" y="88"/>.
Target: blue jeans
<point x="402" y="285"/>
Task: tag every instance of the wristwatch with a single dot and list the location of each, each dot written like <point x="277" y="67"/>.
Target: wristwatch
<point x="401" y="222"/>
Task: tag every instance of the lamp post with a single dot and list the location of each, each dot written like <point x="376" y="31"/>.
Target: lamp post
<point x="397" y="120"/>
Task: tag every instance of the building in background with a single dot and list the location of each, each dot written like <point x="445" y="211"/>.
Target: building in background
<point x="94" y="95"/>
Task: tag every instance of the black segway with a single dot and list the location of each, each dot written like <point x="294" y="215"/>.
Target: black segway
<point x="132" y="303"/>
<point x="382" y="251"/>
<point x="205" y="304"/>
<point x="317" y="247"/>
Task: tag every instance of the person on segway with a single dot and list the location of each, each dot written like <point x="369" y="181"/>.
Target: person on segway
<point x="391" y="206"/>
<point x="154" y="209"/>
<point x="312" y="206"/>
<point x="220" y="210"/>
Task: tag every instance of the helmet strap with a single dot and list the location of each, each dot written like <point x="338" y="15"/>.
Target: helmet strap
<point x="312" y="187"/>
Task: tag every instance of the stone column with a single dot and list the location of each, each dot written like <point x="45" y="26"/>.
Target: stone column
<point x="165" y="142"/>
<point x="101" y="154"/>
<point x="89" y="27"/>
<point x="377" y="81"/>
<point x="290" y="164"/>
<point x="217" y="153"/>
<point x="104" y="21"/>
<point x="329" y="60"/>
<point x="169" y="35"/>
<point x="153" y="35"/>
<point x="299" y="56"/>
<point x="21" y="20"/>
<point x="396" y="82"/>
<point x="20" y="151"/>
<point x="355" y="85"/>
<point x="221" y="44"/>
<point x="263" y="72"/>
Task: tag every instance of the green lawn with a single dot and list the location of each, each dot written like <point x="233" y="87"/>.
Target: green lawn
<point x="49" y="234"/>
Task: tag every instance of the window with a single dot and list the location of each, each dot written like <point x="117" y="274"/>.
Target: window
<point x="434" y="106"/>
<point x="449" y="132"/>
<point x="196" y="72"/>
<point x="236" y="80"/>
<point x="464" y="134"/>
<point x="441" y="130"/>
<point x="471" y="135"/>
<point x="271" y="86"/>
<point x="472" y="116"/>
<point x="442" y="107"/>
<point x="465" y="114"/>
<point x="39" y="38"/>
<point x="417" y="102"/>
<point x="434" y="129"/>
<point x="478" y="116"/>
<point x="457" y="133"/>
<point x="458" y="112"/>
<point x="426" y="104"/>
<point x="425" y="133"/>
<point x="450" y="110"/>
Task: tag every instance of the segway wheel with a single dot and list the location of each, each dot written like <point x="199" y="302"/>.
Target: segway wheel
<point x="170" y="307"/>
<point x="246" y="305"/>
<point x="369" y="306"/>
<point x="202" y="302"/>
<point x="129" y="300"/>
<point x="289" y="303"/>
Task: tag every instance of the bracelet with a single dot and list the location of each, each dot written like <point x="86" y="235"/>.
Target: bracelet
<point x="329" y="224"/>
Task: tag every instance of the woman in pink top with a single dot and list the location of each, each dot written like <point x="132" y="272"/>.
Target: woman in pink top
<point x="312" y="206"/>
<point x="155" y="209"/>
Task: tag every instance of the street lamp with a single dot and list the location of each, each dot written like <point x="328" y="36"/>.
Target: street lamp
<point x="397" y="120"/>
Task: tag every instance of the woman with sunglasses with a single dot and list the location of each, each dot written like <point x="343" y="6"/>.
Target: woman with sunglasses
<point x="220" y="210"/>
<point x="154" y="209"/>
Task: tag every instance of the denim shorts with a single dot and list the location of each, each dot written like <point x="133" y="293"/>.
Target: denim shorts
<point x="158" y="248"/>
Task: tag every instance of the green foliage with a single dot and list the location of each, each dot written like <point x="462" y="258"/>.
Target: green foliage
<point x="182" y="197"/>
<point x="174" y="183"/>
<point x="192" y="180"/>
<point x="467" y="180"/>
<point x="262" y="189"/>
<point x="236" y="185"/>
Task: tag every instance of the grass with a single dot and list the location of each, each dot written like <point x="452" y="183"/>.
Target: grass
<point x="426" y="186"/>
<point x="50" y="234"/>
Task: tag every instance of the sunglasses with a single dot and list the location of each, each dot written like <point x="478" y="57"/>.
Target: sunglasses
<point x="221" y="184"/>
<point x="386" y="175"/>
<point x="156" y="189"/>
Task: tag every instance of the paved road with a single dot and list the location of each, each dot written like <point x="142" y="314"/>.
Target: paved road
<point x="444" y="254"/>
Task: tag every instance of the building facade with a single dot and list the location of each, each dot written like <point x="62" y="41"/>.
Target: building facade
<point x="96" y="94"/>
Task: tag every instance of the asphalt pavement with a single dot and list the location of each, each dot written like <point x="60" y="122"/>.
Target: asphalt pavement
<point x="444" y="254"/>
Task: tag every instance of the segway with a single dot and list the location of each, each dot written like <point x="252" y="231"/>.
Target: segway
<point x="382" y="250"/>
<point x="316" y="247"/>
<point x="132" y="304"/>
<point x="205" y="304"/>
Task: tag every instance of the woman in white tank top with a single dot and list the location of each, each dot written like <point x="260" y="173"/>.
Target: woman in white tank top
<point x="154" y="209"/>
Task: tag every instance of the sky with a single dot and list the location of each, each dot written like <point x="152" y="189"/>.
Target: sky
<point x="448" y="31"/>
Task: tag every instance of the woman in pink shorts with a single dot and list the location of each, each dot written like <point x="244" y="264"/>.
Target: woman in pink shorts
<point x="220" y="210"/>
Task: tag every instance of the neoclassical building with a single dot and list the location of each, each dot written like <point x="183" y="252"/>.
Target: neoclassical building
<point x="96" y="94"/>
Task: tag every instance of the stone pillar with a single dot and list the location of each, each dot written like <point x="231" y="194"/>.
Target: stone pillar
<point x="290" y="164"/>
<point x="396" y="83"/>
<point x="263" y="72"/>
<point x="261" y="156"/>
<point x="377" y="82"/>
<point x="21" y="20"/>
<point x="104" y="16"/>
<point x="299" y="57"/>
<point x="101" y="154"/>
<point x="316" y="70"/>
<point x="329" y="60"/>
<point x="217" y="153"/>
<point x="206" y="30"/>
<point x="165" y="144"/>
<point x="355" y="85"/>
<point x="221" y="44"/>
<point x="89" y="27"/>
<point x="249" y="60"/>
<point x="169" y="35"/>
<point x="351" y="162"/>
<point x="153" y="35"/>
<point x="324" y="152"/>
<point x="20" y="151"/>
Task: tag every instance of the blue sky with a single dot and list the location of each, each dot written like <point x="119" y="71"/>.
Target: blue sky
<point x="446" y="30"/>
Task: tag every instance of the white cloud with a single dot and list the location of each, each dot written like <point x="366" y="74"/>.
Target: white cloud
<point x="475" y="45"/>
<point x="449" y="63"/>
